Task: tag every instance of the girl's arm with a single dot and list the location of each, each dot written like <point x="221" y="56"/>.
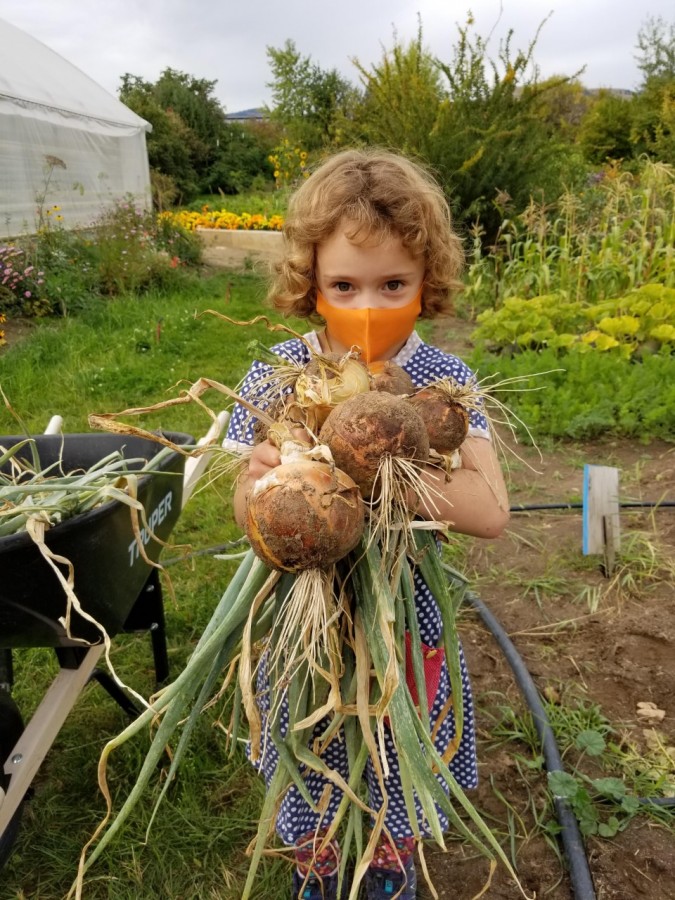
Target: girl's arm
<point x="475" y="500"/>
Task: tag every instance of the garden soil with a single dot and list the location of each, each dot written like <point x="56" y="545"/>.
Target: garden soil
<point x="588" y="640"/>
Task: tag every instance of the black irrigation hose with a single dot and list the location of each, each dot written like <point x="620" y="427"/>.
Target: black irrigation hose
<point x="627" y="504"/>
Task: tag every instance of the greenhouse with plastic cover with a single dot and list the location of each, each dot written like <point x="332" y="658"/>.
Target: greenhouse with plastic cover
<point x="64" y="140"/>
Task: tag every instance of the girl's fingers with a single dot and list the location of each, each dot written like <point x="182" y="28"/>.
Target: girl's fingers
<point x="264" y="457"/>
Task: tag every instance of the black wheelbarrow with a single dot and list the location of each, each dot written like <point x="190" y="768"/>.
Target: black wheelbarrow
<point x="113" y="582"/>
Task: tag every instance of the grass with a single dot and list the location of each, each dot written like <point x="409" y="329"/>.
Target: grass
<point x="269" y="203"/>
<point x="125" y="352"/>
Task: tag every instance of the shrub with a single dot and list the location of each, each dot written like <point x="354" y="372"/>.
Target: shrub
<point x="588" y="396"/>
<point x="126" y="250"/>
<point x="639" y="323"/>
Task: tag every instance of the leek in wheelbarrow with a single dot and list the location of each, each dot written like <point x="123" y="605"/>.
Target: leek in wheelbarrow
<point x="40" y="496"/>
<point x="28" y="492"/>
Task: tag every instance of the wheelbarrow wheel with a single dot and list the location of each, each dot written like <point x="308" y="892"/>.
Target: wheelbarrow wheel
<point x="11" y="727"/>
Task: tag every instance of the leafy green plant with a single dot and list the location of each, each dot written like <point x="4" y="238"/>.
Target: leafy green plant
<point x="603" y="781"/>
<point x="586" y="797"/>
<point x="639" y="322"/>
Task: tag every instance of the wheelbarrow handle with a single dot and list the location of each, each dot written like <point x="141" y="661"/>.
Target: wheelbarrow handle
<point x="195" y="465"/>
<point x="55" y="425"/>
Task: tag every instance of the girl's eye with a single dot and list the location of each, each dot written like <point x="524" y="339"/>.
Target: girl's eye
<point x="394" y="285"/>
<point x="342" y="286"/>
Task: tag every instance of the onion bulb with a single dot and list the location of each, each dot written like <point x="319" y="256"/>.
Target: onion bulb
<point x="364" y="429"/>
<point x="304" y="515"/>
<point x="446" y="420"/>
<point x="390" y="378"/>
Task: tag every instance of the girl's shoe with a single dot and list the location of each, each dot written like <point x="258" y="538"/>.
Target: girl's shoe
<point x="315" y="888"/>
<point x="385" y="884"/>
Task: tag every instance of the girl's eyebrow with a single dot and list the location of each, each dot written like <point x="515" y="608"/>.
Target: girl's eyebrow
<point x="392" y="277"/>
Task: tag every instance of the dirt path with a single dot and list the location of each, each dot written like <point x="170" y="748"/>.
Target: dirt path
<point x="595" y="645"/>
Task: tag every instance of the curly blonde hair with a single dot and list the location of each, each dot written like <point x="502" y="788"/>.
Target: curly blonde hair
<point x="383" y="194"/>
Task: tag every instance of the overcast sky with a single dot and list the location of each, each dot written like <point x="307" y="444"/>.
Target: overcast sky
<point x="226" y="41"/>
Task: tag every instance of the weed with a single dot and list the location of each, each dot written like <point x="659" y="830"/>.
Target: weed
<point x="606" y="778"/>
<point x="590" y="596"/>
<point x="540" y="586"/>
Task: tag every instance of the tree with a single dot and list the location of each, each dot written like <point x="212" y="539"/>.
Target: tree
<point x="169" y="142"/>
<point x="192" y="142"/>
<point x="307" y="101"/>
<point x="243" y="158"/>
<point x="402" y="98"/>
<point x="561" y="103"/>
<point x="653" y="120"/>
<point x="656" y="43"/>
<point x="653" y="124"/>
<point x="605" y="132"/>
<point x="490" y="139"/>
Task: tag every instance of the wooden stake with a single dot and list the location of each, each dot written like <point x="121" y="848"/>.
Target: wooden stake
<point x="601" y="529"/>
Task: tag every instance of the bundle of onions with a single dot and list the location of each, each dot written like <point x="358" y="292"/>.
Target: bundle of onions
<point x="390" y="378"/>
<point x="284" y="408"/>
<point x="445" y="417"/>
<point x="336" y="632"/>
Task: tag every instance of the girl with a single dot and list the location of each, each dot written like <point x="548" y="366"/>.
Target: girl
<point x="369" y="249"/>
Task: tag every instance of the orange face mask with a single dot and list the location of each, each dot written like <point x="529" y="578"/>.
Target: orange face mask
<point x="373" y="329"/>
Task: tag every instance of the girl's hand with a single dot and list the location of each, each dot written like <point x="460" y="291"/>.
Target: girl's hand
<point x="263" y="459"/>
<point x="265" y="456"/>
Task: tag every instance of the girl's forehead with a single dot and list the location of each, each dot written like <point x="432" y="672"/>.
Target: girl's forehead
<point x="348" y="238"/>
<point x="342" y="254"/>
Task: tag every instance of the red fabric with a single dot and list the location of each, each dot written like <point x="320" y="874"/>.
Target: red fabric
<point x="432" y="658"/>
<point x="392" y="855"/>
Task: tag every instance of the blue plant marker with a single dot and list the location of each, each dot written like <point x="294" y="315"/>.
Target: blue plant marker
<point x="585" y="515"/>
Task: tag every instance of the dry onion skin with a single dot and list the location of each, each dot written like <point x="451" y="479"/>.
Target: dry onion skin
<point x="446" y="420"/>
<point x="327" y="380"/>
<point x="284" y="409"/>
<point x="366" y="428"/>
<point x="304" y="515"/>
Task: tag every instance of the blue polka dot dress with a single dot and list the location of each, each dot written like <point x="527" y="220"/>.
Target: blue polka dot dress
<point x="296" y="818"/>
